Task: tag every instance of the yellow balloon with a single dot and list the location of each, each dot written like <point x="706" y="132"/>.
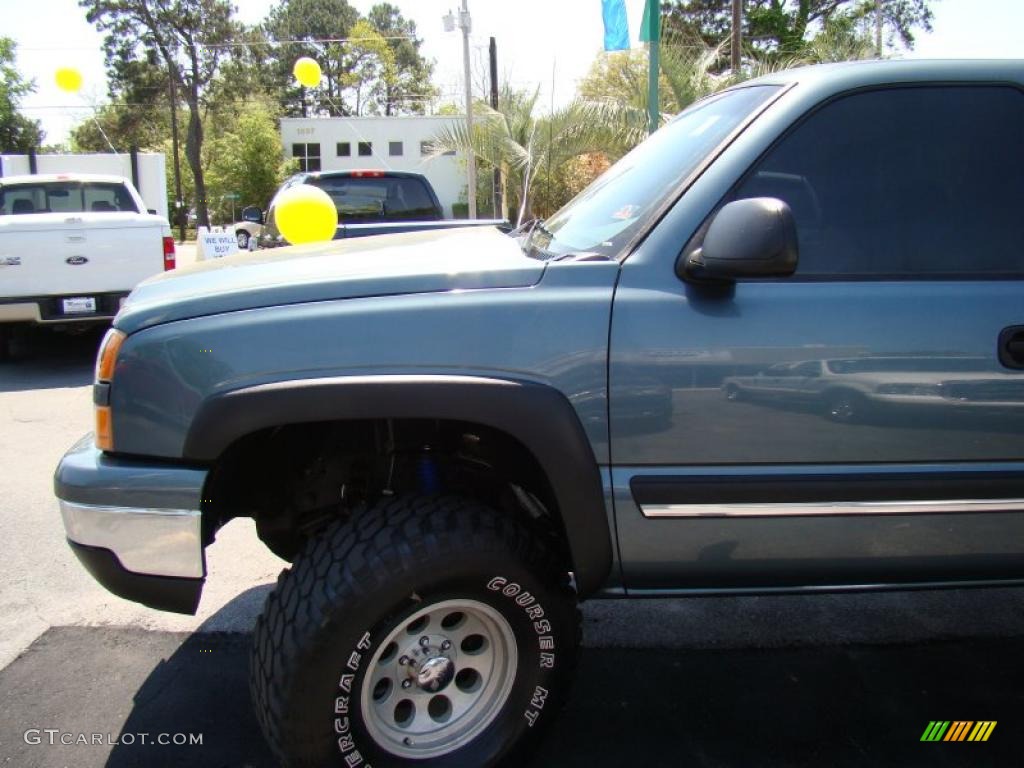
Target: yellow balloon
<point x="305" y="214"/>
<point x="69" y="79"/>
<point x="307" y="72"/>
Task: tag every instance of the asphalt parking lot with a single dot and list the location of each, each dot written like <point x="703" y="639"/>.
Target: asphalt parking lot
<point x="780" y="681"/>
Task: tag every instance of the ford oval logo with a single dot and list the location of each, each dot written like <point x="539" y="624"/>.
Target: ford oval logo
<point x="75" y="261"/>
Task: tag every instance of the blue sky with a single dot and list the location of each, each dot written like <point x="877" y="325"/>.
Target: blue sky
<point x="541" y="43"/>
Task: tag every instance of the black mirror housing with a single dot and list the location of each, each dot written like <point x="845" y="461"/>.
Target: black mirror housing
<point x="755" y="237"/>
<point x="253" y="214"/>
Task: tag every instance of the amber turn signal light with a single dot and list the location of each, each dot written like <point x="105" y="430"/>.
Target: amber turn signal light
<point x="104" y="429"/>
<point x="108" y="354"/>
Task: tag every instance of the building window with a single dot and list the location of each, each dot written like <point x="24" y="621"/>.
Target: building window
<point x="395" y="148"/>
<point x="308" y="156"/>
<point x="365" y="148"/>
<point x="344" y="149"/>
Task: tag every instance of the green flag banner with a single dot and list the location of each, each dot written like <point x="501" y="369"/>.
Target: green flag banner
<point x="650" y="27"/>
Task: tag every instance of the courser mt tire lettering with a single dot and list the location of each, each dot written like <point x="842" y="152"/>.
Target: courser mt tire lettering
<point x="425" y="631"/>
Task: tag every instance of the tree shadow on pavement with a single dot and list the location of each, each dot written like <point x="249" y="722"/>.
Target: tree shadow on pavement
<point x="835" y="705"/>
<point x="842" y="705"/>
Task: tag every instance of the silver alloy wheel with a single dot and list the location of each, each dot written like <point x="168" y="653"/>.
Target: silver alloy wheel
<point x="439" y="679"/>
<point x="242" y="237"/>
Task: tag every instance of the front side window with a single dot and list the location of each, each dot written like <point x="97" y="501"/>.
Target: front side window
<point x="904" y="181"/>
<point x="604" y="216"/>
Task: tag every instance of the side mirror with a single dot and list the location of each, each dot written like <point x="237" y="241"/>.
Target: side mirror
<point x="253" y="214"/>
<point x="755" y="237"/>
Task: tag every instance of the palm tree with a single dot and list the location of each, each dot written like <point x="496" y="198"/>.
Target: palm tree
<point x="688" y="67"/>
<point x="524" y="145"/>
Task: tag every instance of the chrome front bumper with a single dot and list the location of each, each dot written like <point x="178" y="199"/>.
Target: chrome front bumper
<point x="156" y="542"/>
<point x="135" y="525"/>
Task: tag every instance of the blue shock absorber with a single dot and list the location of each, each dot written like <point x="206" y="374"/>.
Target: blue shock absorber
<point x="426" y="473"/>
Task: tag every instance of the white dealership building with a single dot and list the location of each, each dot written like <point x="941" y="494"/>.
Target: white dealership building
<point x="379" y="143"/>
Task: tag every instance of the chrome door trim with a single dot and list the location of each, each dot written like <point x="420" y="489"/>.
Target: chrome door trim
<point x="818" y="508"/>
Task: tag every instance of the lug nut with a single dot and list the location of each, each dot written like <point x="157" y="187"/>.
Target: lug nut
<point x="446" y="645"/>
<point x="424" y="641"/>
<point x="407" y="741"/>
<point x="407" y="683"/>
<point x="404" y="661"/>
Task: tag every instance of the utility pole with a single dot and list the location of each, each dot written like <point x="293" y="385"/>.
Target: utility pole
<point x="737" y="35"/>
<point x="499" y="207"/>
<point x="465" y="22"/>
<point x="651" y="34"/>
<point x="878" y="28"/>
<point x="178" y="202"/>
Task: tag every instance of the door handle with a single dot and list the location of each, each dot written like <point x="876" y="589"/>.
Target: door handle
<point x="1011" y="346"/>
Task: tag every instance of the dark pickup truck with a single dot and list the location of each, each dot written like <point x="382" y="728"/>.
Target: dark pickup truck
<point x="369" y="202"/>
<point x="455" y="437"/>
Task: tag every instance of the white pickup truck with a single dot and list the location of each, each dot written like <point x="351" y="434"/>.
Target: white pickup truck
<point x="72" y="246"/>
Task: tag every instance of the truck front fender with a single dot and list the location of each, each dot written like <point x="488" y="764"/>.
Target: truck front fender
<point x="538" y="416"/>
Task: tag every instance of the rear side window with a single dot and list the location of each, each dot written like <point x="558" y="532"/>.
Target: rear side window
<point x="66" y="197"/>
<point x="904" y="181"/>
<point x="380" y="198"/>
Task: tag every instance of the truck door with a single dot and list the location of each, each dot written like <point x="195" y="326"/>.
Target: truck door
<point x="905" y="462"/>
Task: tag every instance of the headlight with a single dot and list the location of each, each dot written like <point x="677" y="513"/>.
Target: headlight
<point x="105" y="364"/>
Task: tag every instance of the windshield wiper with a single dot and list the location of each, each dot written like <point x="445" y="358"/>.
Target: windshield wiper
<point x="580" y="256"/>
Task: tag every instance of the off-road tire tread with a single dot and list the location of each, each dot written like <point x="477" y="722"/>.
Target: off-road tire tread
<point x="349" y="559"/>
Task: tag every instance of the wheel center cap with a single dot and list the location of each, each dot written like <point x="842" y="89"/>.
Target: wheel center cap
<point x="435" y="674"/>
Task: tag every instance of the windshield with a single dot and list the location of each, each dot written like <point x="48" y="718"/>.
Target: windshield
<point x="65" y="197"/>
<point x="604" y="216"/>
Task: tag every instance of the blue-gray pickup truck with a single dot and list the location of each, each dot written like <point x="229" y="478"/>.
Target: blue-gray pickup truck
<point x="455" y="437"/>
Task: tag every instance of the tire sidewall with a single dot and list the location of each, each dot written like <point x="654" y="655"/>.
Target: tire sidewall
<point x="542" y="624"/>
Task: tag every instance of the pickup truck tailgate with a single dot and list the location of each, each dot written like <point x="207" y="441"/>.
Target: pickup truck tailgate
<point x="53" y="253"/>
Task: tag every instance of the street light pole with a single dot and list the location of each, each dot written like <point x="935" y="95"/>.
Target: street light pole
<point x="465" y="23"/>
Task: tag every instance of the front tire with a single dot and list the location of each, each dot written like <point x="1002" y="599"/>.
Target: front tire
<point x="243" y="239"/>
<point x="426" y="631"/>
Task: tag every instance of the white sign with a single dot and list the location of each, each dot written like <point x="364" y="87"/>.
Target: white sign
<point x="215" y="244"/>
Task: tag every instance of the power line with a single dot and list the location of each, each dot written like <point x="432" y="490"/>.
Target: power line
<point x="242" y="43"/>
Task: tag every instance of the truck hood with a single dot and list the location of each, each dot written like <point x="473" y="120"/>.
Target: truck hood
<point x="415" y="262"/>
